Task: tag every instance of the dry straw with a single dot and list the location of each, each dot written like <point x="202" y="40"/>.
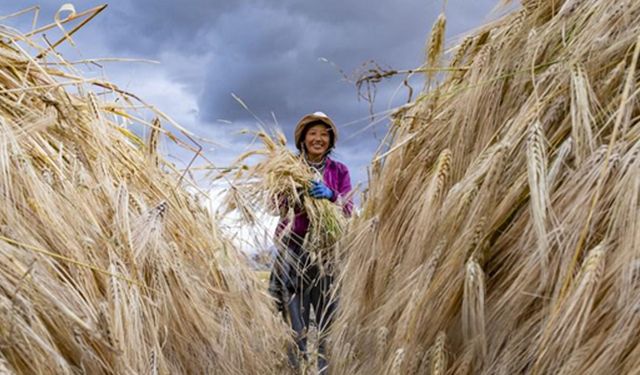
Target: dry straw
<point x="279" y="182"/>
<point x="504" y="217"/>
<point x="107" y="264"/>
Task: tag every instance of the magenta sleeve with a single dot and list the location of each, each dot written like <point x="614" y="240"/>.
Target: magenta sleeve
<point x="345" y="190"/>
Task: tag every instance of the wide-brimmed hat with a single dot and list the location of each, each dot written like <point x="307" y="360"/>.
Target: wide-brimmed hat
<point x="314" y="118"/>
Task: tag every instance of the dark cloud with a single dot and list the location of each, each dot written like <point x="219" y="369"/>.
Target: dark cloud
<point x="274" y="64"/>
<point x="268" y="53"/>
<point x="150" y="26"/>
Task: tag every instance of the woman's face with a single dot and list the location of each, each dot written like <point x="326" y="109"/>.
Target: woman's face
<point x="316" y="141"/>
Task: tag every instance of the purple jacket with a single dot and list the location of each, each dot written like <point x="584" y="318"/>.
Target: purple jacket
<point x="336" y="177"/>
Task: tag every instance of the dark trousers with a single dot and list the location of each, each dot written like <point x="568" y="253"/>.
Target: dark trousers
<point x="317" y="296"/>
<point x="304" y="285"/>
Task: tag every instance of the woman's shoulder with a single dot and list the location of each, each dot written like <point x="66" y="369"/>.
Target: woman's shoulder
<point x="337" y="165"/>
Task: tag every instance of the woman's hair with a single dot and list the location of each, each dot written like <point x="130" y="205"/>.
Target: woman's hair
<point x="306" y="128"/>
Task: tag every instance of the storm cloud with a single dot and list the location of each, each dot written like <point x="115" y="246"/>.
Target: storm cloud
<point x="282" y="58"/>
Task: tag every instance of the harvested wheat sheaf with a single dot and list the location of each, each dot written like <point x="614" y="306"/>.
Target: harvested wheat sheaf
<point x="278" y="182"/>
<point x="107" y="264"/>
<point x="501" y="228"/>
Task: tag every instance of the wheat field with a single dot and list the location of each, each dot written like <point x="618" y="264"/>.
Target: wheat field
<point x="499" y="233"/>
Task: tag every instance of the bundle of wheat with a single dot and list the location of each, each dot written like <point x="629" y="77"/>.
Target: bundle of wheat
<point x="107" y="264"/>
<point x="279" y="183"/>
<point x="501" y="231"/>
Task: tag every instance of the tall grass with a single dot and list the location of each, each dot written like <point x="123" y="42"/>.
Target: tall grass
<point x="501" y="230"/>
<point x="107" y="264"/>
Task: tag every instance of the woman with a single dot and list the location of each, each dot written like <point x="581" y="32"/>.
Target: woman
<point x="296" y="282"/>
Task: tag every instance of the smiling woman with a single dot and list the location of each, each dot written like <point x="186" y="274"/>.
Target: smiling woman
<point x="316" y="141"/>
<point x="315" y="135"/>
<point x="301" y="280"/>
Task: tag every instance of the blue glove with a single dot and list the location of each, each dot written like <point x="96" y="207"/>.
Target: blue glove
<point x="320" y="191"/>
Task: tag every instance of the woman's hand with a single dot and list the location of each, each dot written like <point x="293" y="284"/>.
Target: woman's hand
<point x="319" y="190"/>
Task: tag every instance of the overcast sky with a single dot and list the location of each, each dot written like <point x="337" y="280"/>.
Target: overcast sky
<point x="282" y="57"/>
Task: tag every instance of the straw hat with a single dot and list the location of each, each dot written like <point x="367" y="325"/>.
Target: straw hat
<point x="312" y="118"/>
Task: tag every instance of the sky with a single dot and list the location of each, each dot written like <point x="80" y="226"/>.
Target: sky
<point x="282" y="58"/>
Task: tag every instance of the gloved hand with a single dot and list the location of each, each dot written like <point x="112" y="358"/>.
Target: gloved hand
<point x="319" y="190"/>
